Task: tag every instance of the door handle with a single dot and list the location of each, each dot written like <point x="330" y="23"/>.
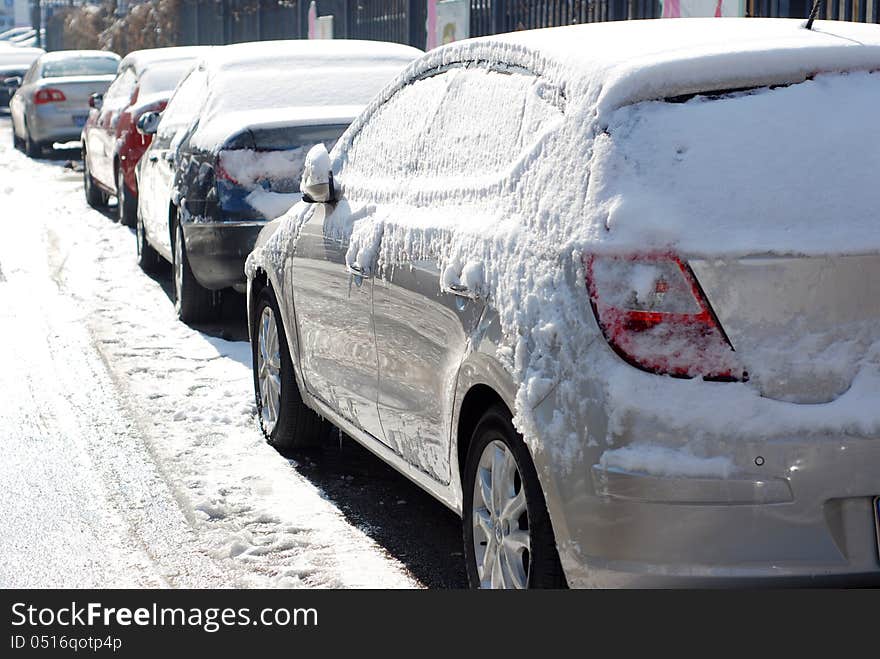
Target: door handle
<point x="169" y="156"/>
<point x="358" y="270"/>
<point x="154" y="158"/>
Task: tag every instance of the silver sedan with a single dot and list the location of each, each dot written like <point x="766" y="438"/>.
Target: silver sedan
<point x="52" y="103"/>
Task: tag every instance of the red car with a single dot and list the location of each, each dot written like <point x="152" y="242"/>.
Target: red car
<point x="111" y="144"/>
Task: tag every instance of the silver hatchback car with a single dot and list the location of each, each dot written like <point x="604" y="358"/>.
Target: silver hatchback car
<point x="53" y="102"/>
<point x="610" y="292"/>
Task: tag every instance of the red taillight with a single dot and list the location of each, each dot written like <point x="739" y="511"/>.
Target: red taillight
<point x="222" y="170"/>
<point x="49" y="95"/>
<point x="654" y="315"/>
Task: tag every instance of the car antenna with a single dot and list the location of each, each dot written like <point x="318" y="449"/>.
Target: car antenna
<point x="813" y="12"/>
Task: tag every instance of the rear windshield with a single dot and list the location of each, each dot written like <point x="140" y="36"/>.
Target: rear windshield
<point x="80" y="66"/>
<point x="791" y="168"/>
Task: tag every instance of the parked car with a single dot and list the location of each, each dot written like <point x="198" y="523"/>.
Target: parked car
<point x="14" y="63"/>
<point x="15" y="32"/>
<point x="229" y="149"/>
<point x="111" y="145"/>
<point x="52" y="104"/>
<point x="27" y="39"/>
<point x="584" y="286"/>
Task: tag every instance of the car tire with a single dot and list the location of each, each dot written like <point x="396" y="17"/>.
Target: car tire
<point x="147" y="258"/>
<point x="94" y="196"/>
<point x="126" y="203"/>
<point x="192" y="301"/>
<point x="512" y="536"/>
<point x="286" y="421"/>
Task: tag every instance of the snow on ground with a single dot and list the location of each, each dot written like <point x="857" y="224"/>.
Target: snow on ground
<point x="131" y="452"/>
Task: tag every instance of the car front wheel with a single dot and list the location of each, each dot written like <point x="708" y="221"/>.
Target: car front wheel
<point x="286" y="421"/>
<point x="508" y="538"/>
<point x="94" y="197"/>
<point x="147" y="257"/>
<point x="126" y="203"/>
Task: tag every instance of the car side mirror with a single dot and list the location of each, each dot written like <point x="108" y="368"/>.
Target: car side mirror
<point x="317" y="178"/>
<point x="148" y="123"/>
<point x="96" y="100"/>
<point x="13" y="82"/>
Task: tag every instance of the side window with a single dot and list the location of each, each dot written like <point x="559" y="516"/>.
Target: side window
<point x="488" y="119"/>
<point x="119" y="93"/>
<point x="472" y="122"/>
<point x="388" y="145"/>
<point x="183" y="107"/>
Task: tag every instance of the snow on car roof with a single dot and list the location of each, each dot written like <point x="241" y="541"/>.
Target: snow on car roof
<point x="60" y="55"/>
<point x="314" y="51"/>
<point x="141" y="59"/>
<point x="629" y="61"/>
<point x="286" y="77"/>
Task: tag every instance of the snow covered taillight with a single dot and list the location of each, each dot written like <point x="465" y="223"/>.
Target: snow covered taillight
<point x="655" y="316"/>
<point x="49" y="95"/>
<point x="221" y="171"/>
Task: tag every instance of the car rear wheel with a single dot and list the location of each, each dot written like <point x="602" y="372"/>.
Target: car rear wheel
<point x="94" y="196"/>
<point x="147" y="257"/>
<point x="508" y="538"/>
<point x="31" y="147"/>
<point x="192" y="301"/>
<point x="126" y="203"/>
<point x="286" y="421"/>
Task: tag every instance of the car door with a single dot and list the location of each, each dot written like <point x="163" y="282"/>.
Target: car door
<point x="333" y="309"/>
<point x="331" y="277"/>
<point x="159" y="166"/>
<point x="425" y="309"/>
<point x="102" y="139"/>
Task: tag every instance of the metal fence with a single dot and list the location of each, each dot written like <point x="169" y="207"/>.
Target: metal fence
<point x="232" y="21"/>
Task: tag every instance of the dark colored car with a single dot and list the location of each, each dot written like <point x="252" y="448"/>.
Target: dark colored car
<point x="229" y="150"/>
<point x="111" y="145"/>
<point x="14" y="63"/>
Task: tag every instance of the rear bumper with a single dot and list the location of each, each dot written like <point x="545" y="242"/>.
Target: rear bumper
<point x="217" y="251"/>
<point x="792" y="510"/>
<point x="47" y="123"/>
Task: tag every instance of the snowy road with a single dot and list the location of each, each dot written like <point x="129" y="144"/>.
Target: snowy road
<point x="130" y="453"/>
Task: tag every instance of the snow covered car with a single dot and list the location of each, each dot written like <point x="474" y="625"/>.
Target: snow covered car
<point x="52" y="104"/>
<point x="610" y="292"/>
<point x="14" y="63"/>
<point x="111" y="146"/>
<point x="227" y="155"/>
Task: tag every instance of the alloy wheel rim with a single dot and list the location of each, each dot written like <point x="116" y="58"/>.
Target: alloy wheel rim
<point x="269" y="370"/>
<point x="502" y="542"/>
